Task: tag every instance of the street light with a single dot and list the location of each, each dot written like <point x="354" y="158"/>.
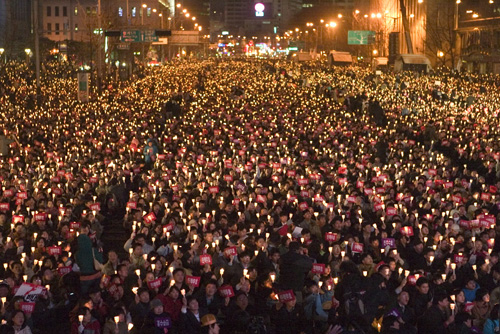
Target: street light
<point x="142" y="13"/>
<point x="28" y="52"/>
<point x="2" y="50"/>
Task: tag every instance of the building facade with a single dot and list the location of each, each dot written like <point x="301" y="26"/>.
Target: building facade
<point x="15" y="27"/>
<point x="77" y="20"/>
<point x="478" y="37"/>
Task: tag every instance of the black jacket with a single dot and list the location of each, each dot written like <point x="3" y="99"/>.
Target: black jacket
<point x="293" y="270"/>
<point x="189" y="324"/>
<point x="287" y="322"/>
<point x="432" y="322"/>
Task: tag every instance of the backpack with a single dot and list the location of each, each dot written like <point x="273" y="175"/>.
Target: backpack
<point x="353" y="304"/>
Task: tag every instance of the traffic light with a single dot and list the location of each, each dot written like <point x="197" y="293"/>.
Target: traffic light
<point x="163" y="33"/>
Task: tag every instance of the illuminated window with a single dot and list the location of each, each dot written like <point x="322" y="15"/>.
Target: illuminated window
<point x="120" y="11"/>
<point x="134" y="11"/>
<point x="76" y="11"/>
<point x="149" y="12"/>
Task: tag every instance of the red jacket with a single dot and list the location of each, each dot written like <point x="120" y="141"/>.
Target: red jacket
<point x="173" y="307"/>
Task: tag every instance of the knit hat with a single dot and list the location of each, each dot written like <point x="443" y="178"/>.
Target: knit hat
<point x="156" y="303"/>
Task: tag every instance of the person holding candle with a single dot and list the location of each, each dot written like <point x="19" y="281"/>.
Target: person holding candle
<point x="17" y="324"/>
<point x="115" y="323"/>
<point x="312" y="305"/>
<point x="85" y="323"/>
<point x="140" y="307"/>
<point x="437" y="318"/>
<point x="190" y="320"/>
<point x="288" y="318"/>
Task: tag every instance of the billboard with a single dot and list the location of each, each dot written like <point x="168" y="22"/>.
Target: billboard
<point x="360" y="37"/>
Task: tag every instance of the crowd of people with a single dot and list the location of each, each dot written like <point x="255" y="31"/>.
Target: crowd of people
<point x="258" y="197"/>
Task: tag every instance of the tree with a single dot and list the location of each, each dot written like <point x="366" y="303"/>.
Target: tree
<point x="441" y="34"/>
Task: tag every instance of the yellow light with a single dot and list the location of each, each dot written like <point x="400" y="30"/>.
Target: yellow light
<point x="356" y="11"/>
<point x="144" y="5"/>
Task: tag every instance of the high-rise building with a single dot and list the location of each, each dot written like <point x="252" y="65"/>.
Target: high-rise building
<point x="252" y="17"/>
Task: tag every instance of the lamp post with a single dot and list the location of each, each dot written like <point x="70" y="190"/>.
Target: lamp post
<point x="99" y="46"/>
<point x="142" y="13"/>
<point x="458" y="45"/>
<point x="2" y="50"/>
<point x="142" y="24"/>
<point x="28" y="52"/>
<point x="334" y="37"/>
<point x="373" y="55"/>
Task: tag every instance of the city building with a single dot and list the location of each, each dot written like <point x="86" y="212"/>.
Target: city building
<point x="478" y="42"/>
<point x="77" y="20"/>
<point x="15" y="27"/>
<point x="257" y="18"/>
